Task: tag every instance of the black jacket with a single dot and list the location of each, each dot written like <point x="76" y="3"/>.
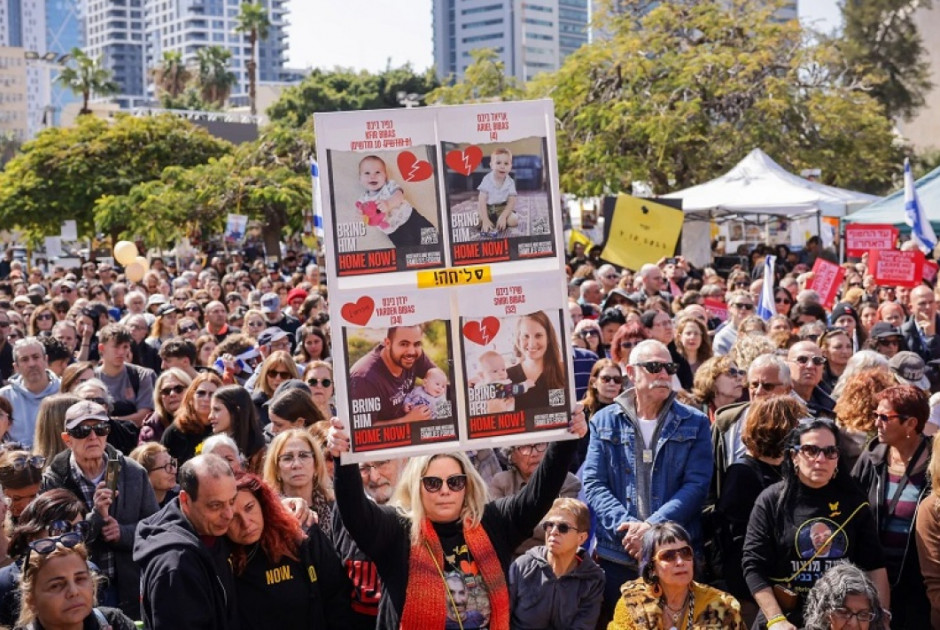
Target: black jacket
<point x="184" y="583"/>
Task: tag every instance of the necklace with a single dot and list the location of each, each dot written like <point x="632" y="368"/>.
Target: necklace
<point x="676" y="614"/>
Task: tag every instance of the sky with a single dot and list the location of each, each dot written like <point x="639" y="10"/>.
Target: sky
<point x="365" y="34"/>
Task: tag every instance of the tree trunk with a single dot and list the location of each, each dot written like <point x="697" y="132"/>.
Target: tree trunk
<point x="271" y="234"/>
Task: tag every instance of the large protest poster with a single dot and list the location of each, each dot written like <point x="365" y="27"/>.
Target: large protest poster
<point x="417" y="277"/>
<point x="894" y="268"/>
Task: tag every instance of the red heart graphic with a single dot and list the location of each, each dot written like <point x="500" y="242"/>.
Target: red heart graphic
<point x="466" y="161"/>
<point x="359" y="312"/>
<point x="412" y="169"/>
<point x="481" y="332"/>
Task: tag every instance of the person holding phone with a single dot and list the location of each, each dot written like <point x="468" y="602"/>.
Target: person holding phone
<point x="116" y="493"/>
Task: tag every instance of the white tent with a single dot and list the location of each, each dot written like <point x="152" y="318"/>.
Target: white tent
<point x="757" y="186"/>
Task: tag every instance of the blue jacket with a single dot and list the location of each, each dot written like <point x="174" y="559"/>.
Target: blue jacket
<point x="678" y="476"/>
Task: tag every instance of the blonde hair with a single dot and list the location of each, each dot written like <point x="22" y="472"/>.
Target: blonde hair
<point x="50" y="424"/>
<point x="281" y="358"/>
<point x="576" y="509"/>
<point x="272" y="472"/>
<point x="146" y="454"/>
<point x="407" y="497"/>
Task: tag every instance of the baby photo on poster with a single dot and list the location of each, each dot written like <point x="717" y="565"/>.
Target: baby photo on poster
<point x="516" y="373"/>
<point x="400" y="385"/>
<point x="499" y="200"/>
<point x="386" y="210"/>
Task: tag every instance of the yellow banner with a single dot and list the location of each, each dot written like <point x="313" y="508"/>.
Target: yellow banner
<point x="454" y="277"/>
<point x="579" y="237"/>
<point x="641" y="232"/>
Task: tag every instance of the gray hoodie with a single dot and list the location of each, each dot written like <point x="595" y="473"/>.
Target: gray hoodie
<point x="26" y="406"/>
<point x="539" y="599"/>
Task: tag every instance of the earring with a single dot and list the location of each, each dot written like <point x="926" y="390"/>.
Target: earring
<point x="657" y="589"/>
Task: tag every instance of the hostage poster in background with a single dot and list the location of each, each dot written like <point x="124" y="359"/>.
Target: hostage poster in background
<point x="500" y="197"/>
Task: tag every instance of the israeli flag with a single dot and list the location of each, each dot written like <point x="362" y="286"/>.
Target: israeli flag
<point x="921" y="229"/>
<point x="766" y="307"/>
<point x="317" y="202"/>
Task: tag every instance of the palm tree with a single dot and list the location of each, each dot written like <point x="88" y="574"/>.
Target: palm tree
<point x="253" y="20"/>
<point x="215" y="79"/>
<point x="172" y="76"/>
<point x="86" y="77"/>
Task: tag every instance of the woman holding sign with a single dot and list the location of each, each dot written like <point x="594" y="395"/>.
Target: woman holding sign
<point x="540" y="368"/>
<point x="438" y="530"/>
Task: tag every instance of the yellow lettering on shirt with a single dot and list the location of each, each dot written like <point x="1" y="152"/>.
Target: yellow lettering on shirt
<point x="278" y="575"/>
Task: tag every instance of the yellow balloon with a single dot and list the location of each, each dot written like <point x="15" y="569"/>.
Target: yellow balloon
<point x="143" y="263"/>
<point x="125" y="252"/>
<point x="134" y="272"/>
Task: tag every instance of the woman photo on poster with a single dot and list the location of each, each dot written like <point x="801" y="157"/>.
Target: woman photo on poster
<point x="540" y="367"/>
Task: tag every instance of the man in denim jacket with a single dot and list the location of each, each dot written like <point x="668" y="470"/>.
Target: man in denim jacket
<point x="649" y="460"/>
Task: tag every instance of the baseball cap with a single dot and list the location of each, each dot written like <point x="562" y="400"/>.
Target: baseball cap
<point x="883" y="329"/>
<point x="84" y="410"/>
<point x="271" y="334"/>
<point x="270" y="303"/>
<point x="165" y="309"/>
<point x="908" y="368"/>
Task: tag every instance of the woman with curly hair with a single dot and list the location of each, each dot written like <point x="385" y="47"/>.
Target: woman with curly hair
<point x="843" y="595"/>
<point x="267" y="541"/>
<point x="718" y="382"/>
<point x="855" y="411"/>
<point x="693" y="342"/>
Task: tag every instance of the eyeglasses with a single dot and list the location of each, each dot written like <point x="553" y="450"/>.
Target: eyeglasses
<point x="185" y="330"/>
<point x="57" y="528"/>
<point x="844" y="614"/>
<point x="169" y="467"/>
<point x="279" y="374"/>
<point x="288" y="458"/>
<point x="628" y="345"/>
<point x="65" y="290"/>
<point x="44" y="316"/>
<point x="102" y="429"/>
<point x="203" y="393"/>
<point x="743" y="306"/>
<point x="46" y="546"/>
<point x="805" y="359"/>
<point x="734" y="372"/>
<point x="655" y="367"/>
<point x="767" y="387"/>
<point x="455" y="483"/>
<point x="670" y="555"/>
<point x="174" y="389"/>
<point x="529" y="448"/>
<point x="21" y="462"/>
<point x="322" y="382"/>
<point x="607" y="378"/>
<point x="367" y="467"/>
<point x="561" y="527"/>
<point x="192" y="309"/>
<point x="811" y="451"/>
<point x="783" y="301"/>
<point x="589" y="333"/>
<point x="885" y="418"/>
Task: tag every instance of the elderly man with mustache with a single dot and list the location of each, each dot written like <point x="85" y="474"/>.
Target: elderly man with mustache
<point x="649" y="460"/>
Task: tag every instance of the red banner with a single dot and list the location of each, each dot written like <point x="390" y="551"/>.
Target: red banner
<point x="930" y="270"/>
<point x="827" y="277"/>
<point x="716" y="308"/>
<point x="860" y="238"/>
<point x="896" y="269"/>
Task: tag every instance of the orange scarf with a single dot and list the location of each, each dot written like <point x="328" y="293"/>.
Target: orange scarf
<point x="427" y="600"/>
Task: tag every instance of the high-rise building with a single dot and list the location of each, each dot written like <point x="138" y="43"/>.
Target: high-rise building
<point x="924" y="130"/>
<point x="185" y="26"/>
<point x="114" y="33"/>
<point x="64" y="31"/>
<point x="23" y="29"/>
<point x="530" y="36"/>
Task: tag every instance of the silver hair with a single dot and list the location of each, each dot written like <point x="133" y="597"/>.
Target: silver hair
<point x="772" y="360"/>
<point x="861" y="360"/>
<point x="220" y="439"/>
<point x="645" y="347"/>
<point x="831" y="591"/>
<point x="27" y="342"/>
<point x="99" y="384"/>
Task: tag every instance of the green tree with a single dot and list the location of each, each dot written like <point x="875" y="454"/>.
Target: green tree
<point x="172" y="76"/>
<point x="215" y="78"/>
<point x="682" y="96"/>
<point x="484" y="80"/>
<point x="343" y="89"/>
<point x="880" y="37"/>
<point x="63" y="171"/>
<point x="253" y="21"/>
<point x="86" y="76"/>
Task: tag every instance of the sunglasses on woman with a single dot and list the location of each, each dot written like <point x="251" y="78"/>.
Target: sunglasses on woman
<point x="812" y="451"/>
<point x="563" y="528"/>
<point x="670" y="555"/>
<point x="455" y="483"/>
<point x="102" y="429"/>
<point x="612" y="379"/>
<point x="279" y="374"/>
<point x="58" y="528"/>
<point x="323" y="382"/>
<point x="173" y="389"/>
<point x="46" y="546"/>
<point x="21" y="462"/>
<point x="185" y="330"/>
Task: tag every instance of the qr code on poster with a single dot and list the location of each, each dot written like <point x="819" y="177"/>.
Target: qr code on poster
<point x="429" y="236"/>
<point x="556" y="397"/>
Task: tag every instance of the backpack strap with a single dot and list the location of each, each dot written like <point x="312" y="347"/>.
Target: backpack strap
<point x="134" y="377"/>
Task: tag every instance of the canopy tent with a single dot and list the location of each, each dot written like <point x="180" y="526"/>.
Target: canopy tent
<point x="890" y="210"/>
<point x="757" y="186"/>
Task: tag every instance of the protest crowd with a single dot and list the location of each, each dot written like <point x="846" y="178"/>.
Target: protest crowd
<point x="171" y="455"/>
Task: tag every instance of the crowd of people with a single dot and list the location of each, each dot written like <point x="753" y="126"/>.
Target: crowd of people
<point x="169" y="456"/>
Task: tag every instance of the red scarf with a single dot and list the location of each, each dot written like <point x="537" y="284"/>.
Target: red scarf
<point x="427" y="600"/>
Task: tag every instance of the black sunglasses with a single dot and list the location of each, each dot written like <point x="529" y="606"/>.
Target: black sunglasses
<point x="655" y="367"/>
<point x="313" y="382"/>
<point x="612" y="379"/>
<point x="817" y="360"/>
<point x="812" y="451"/>
<point x="783" y="301"/>
<point x="743" y="306"/>
<point x="58" y="528"/>
<point x="563" y="528"/>
<point x="102" y="429"/>
<point x="456" y="483"/>
<point x="284" y="375"/>
<point x="185" y="330"/>
<point x="175" y="389"/>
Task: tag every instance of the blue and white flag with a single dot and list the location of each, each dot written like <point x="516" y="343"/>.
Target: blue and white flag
<point x="317" y="203"/>
<point x="766" y="307"/>
<point x="921" y="229"/>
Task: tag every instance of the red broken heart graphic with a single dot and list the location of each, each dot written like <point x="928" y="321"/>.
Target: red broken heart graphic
<point x="481" y="332"/>
<point x="466" y="161"/>
<point x="412" y="169"/>
<point x="358" y="312"/>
